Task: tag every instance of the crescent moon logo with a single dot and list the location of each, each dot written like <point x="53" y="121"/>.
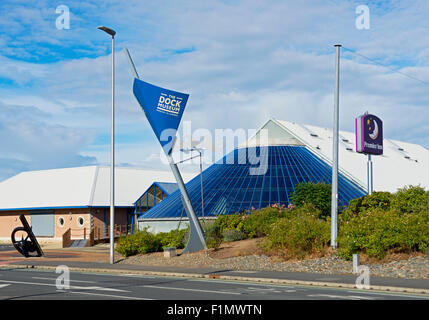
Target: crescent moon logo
<point x="374" y="133"/>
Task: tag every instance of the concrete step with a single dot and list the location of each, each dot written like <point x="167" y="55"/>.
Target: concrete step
<point x="79" y="243"/>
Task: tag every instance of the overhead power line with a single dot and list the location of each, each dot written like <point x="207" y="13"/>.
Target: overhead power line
<point x="385" y="66"/>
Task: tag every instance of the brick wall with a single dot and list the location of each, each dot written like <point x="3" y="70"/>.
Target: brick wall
<point x="71" y="218"/>
<point x="92" y="217"/>
<point x="9" y="221"/>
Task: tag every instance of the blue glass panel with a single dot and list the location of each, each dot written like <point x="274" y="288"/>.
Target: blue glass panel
<point x="231" y="187"/>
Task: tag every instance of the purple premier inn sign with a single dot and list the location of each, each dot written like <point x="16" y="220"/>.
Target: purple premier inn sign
<point x="369" y="134"/>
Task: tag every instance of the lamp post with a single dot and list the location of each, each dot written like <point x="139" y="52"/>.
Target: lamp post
<point x="112" y="151"/>
<point x="199" y="150"/>
<point x="334" y="200"/>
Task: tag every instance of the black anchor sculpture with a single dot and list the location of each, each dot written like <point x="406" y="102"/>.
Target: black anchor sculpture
<point x="29" y="244"/>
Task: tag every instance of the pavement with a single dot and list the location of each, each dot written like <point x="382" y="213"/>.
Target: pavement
<point x="95" y="260"/>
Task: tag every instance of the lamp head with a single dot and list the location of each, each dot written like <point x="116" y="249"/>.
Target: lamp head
<point x="108" y="30"/>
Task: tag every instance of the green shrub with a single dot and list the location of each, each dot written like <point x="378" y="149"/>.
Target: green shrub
<point x="300" y="234"/>
<point x="377" y="200"/>
<point x="230" y="222"/>
<point x="411" y="200"/>
<point x="354" y="206"/>
<point x="126" y="246"/>
<point x="212" y="235"/>
<point x="173" y="238"/>
<point x="318" y="194"/>
<point x="376" y="231"/>
<point x="406" y="200"/>
<point x="233" y="235"/>
<point x="139" y="242"/>
<point x="257" y="224"/>
<point x="307" y="209"/>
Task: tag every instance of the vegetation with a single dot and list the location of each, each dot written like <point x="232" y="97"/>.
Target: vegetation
<point x="213" y="235"/>
<point x="319" y="194"/>
<point x="230" y="222"/>
<point x="233" y="235"/>
<point x="377" y="231"/>
<point x="374" y="225"/>
<point x="146" y="242"/>
<point x="411" y="199"/>
<point x="300" y="234"/>
<point x="380" y="200"/>
<point x="383" y="221"/>
<point x="258" y="223"/>
<point x="173" y="238"/>
<point x="139" y="242"/>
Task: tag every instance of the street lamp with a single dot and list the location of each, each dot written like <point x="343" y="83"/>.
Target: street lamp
<point x="112" y="150"/>
<point x="199" y="150"/>
<point x="334" y="195"/>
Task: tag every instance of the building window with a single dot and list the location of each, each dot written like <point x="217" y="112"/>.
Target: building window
<point x="61" y="221"/>
<point x="80" y="221"/>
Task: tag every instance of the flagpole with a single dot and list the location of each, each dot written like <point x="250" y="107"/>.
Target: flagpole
<point x="131" y="63"/>
<point x="334" y="199"/>
<point x="196" y="240"/>
<point x="192" y="245"/>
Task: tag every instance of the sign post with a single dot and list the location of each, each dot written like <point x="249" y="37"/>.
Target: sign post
<point x="369" y="140"/>
<point x="369" y="174"/>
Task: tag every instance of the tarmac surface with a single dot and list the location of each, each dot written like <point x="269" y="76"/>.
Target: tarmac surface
<point x="6" y="247"/>
<point x="27" y="284"/>
<point x="92" y="277"/>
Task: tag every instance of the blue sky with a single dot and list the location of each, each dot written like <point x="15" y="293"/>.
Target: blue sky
<point x="241" y="62"/>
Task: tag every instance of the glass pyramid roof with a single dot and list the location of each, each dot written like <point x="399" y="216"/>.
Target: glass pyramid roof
<point x="254" y="177"/>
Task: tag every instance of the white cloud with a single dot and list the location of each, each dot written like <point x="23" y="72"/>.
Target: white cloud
<point x="248" y="60"/>
<point x="29" y="141"/>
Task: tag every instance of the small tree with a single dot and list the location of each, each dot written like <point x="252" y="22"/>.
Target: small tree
<point x="411" y="199"/>
<point x="318" y="194"/>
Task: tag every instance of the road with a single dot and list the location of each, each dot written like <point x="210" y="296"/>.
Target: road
<point x="4" y="247"/>
<point x="25" y="284"/>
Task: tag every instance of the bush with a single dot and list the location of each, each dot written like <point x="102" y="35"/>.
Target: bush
<point x="411" y="200"/>
<point x="146" y="242"/>
<point x="213" y="236"/>
<point x="307" y="209"/>
<point x="406" y="200"/>
<point x="126" y="246"/>
<point x="230" y="222"/>
<point x="257" y="224"/>
<point x="233" y="235"/>
<point x="173" y="238"/>
<point x="376" y="231"/>
<point x="318" y="194"/>
<point x="300" y="234"/>
<point x="139" y="242"/>
<point x="377" y="200"/>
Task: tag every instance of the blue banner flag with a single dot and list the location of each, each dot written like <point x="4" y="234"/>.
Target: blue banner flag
<point x="163" y="108"/>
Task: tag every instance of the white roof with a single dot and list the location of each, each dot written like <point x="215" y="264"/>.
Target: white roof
<point x="78" y="187"/>
<point x="401" y="164"/>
